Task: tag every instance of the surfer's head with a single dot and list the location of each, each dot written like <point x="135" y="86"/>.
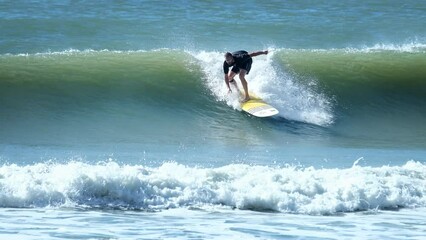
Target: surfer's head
<point x="228" y="58"/>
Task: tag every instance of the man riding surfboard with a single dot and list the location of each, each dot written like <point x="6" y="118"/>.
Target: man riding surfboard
<point x="240" y="61"/>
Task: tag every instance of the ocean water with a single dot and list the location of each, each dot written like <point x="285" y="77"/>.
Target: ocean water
<point x="115" y="122"/>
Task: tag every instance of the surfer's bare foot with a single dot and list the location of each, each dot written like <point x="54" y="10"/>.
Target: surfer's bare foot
<point x="246" y="99"/>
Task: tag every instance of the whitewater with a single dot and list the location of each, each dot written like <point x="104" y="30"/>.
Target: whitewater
<point x="288" y="189"/>
<point x="336" y="202"/>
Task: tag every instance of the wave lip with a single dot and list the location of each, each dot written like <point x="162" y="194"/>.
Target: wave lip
<point x="259" y="188"/>
<point x="413" y="47"/>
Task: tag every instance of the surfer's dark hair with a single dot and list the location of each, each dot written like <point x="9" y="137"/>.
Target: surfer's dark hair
<point x="228" y="54"/>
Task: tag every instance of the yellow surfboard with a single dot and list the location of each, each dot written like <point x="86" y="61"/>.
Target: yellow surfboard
<point x="258" y="108"/>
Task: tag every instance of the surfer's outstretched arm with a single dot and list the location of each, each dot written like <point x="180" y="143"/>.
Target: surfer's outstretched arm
<point x="254" y="54"/>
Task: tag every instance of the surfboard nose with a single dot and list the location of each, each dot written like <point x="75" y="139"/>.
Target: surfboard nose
<point x="259" y="108"/>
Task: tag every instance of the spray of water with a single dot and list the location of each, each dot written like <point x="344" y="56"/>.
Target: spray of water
<point x="294" y="100"/>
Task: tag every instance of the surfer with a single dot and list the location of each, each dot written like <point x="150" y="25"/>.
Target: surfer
<point x="240" y="62"/>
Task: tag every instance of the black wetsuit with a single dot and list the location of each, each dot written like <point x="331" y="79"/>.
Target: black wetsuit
<point x="242" y="60"/>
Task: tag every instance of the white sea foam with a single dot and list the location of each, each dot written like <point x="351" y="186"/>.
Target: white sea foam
<point x="261" y="188"/>
<point x="411" y="47"/>
<point x="294" y="100"/>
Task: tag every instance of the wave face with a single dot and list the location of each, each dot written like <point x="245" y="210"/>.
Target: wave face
<point x="94" y="94"/>
<point x="373" y="93"/>
<point x="261" y="188"/>
<point x="377" y="91"/>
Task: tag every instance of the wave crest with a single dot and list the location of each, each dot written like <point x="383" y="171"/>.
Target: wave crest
<point x="171" y="185"/>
